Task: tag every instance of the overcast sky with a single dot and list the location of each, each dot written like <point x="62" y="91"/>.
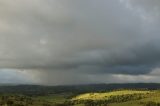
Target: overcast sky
<point x="59" y="42"/>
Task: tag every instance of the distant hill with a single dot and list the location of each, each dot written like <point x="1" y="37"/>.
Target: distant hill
<point x="41" y="90"/>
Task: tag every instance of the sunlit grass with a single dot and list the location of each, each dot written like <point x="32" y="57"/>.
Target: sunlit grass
<point x="101" y="96"/>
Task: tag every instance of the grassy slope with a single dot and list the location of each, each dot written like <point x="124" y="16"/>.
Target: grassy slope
<point x="154" y="97"/>
<point x="101" y="96"/>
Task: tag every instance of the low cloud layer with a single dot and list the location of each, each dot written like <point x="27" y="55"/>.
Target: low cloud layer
<point x="80" y="41"/>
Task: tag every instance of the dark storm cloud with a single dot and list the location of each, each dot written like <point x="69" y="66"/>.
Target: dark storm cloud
<point x="80" y="38"/>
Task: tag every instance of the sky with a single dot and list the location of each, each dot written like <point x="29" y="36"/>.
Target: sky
<point x="57" y="42"/>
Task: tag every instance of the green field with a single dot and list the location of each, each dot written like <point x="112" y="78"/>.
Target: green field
<point x="119" y="98"/>
<point x="112" y="98"/>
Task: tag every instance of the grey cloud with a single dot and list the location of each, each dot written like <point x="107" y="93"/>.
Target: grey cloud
<point x="79" y="38"/>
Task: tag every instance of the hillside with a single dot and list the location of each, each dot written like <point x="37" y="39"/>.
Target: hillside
<point x="107" y="95"/>
<point x="81" y="95"/>
<point x="118" y="98"/>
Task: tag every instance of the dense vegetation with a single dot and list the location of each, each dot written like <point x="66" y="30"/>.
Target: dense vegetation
<point x="84" y="95"/>
<point x="89" y="99"/>
<point x="76" y="89"/>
